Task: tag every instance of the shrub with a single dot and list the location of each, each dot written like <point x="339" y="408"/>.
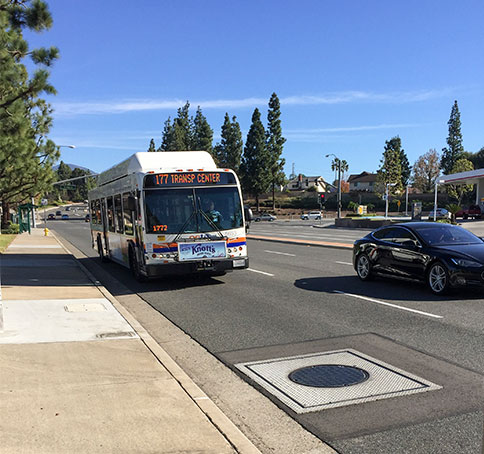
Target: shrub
<point x="353" y="206"/>
<point x="12" y="229"/>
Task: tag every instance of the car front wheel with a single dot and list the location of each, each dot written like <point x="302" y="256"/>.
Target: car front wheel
<point x="363" y="267"/>
<point x="438" y="279"/>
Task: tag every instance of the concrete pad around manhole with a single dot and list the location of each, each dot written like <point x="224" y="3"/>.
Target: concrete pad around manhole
<point x="84" y="307"/>
<point x="384" y="380"/>
<point x="34" y="321"/>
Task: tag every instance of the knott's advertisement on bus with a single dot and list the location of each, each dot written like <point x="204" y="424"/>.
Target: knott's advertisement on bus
<point x="194" y="251"/>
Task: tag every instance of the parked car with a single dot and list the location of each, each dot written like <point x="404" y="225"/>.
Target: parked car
<point x="441" y="213"/>
<point x="442" y="255"/>
<point x="58" y="213"/>
<point x="51" y="216"/>
<point x="474" y="211"/>
<point x="65" y="216"/>
<point x="316" y="215"/>
<point x="265" y="217"/>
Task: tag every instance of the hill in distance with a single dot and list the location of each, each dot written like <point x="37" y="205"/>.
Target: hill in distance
<point x="73" y="166"/>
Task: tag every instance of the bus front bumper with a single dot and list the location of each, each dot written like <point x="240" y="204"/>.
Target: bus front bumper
<point x="210" y="266"/>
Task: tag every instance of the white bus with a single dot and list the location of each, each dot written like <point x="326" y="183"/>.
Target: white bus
<point x="169" y="213"/>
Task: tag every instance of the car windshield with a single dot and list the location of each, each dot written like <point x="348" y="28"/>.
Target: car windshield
<point x="195" y="210"/>
<point x="448" y="235"/>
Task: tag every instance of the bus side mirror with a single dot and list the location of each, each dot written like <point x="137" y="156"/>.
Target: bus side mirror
<point x="248" y="214"/>
<point x="131" y="203"/>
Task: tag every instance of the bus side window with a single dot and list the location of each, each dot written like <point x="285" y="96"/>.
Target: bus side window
<point x="118" y="213"/>
<point x="93" y="212"/>
<point x="110" y="211"/>
<point x="127" y="215"/>
<point x="98" y="212"/>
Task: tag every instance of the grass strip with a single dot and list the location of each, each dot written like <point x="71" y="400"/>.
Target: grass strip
<point x="5" y="240"/>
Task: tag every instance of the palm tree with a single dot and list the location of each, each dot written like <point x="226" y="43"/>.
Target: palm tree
<point x="344" y="166"/>
<point x="453" y="208"/>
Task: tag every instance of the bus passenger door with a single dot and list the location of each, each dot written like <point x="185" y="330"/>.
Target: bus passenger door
<point x="104" y="217"/>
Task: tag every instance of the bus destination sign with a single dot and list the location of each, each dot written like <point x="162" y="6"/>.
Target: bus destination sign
<point x="188" y="179"/>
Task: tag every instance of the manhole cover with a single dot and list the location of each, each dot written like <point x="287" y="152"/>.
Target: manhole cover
<point x="328" y="376"/>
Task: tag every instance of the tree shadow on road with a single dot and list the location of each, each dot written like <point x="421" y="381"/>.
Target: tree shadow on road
<point x="381" y="288"/>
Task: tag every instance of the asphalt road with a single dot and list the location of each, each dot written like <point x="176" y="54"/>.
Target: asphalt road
<point x="298" y="300"/>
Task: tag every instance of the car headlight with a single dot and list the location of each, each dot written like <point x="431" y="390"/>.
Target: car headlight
<point x="466" y="263"/>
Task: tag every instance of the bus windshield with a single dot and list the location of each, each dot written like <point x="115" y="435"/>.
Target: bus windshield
<point x="194" y="210"/>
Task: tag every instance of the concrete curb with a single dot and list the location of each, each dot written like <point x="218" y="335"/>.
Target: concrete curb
<point x="225" y="426"/>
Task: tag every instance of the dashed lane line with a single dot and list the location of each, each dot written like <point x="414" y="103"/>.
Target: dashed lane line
<point x="427" y="314"/>
<point x="281" y="253"/>
<point x="344" y="263"/>
<point x="260" y="272"/>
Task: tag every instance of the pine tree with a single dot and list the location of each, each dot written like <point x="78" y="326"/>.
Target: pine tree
<point x="455" y="148"/>
<point x="202" y="133"/>
<point x="152" y="147"/>
<point x="256" y="162"/>
<point x="182" y="130"/>
<point x="275" y="143"/>
<point x="26" y="155"/>
<point x="167" y="137"/>
<point x="229" y="151"/>
<point x="405" y="167"/>
<point x="390" y="171"/>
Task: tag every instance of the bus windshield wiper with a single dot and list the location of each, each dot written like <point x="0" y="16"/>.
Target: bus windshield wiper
<point x="182" y="230"/>
<point x="211" y="223"/>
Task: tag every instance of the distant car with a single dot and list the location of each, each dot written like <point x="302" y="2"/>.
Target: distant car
<point x="87" y="218"/>
<point x="65" y="216"/>
<point x="441" y="213"/>
<point x="311" y="215"/>
<point x="58" y="213"/>
<point x="474" y="211"/>
<point x="442" y="255"/>
<point x="265" y="217"/>
<point x="68" y="208"/>
<point x="51" y="216"/>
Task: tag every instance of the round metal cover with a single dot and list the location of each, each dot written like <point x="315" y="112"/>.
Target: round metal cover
<point x="328" y="376"/>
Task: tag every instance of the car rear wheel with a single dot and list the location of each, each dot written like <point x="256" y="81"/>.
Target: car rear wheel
<point x="363" y="267"/>
<point x="438" y="279"/>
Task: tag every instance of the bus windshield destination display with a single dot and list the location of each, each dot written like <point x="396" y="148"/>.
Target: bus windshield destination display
<point x="188" y="179"/>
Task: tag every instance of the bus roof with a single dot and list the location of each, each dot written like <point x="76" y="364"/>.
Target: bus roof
<point x="163" y="161"/>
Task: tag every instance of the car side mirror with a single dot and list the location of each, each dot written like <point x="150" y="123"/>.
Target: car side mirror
<point x="410" y="244"/>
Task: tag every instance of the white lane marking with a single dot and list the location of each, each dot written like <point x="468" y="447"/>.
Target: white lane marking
<point x="281" y="253"/>
<point x="307" y="235"/>
<point x="261" y="272"/>
<point x="344" y="263"/>
<point x="389" y="304"/>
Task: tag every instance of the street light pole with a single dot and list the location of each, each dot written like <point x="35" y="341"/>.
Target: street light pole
<point x="406" y="201"/>
<point x="338" y="162"/>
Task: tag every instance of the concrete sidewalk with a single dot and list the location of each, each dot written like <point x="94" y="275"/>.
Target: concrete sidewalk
<point x="79" y="377"/>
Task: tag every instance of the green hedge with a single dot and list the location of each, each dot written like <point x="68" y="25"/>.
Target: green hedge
<point x="12" y="229"/>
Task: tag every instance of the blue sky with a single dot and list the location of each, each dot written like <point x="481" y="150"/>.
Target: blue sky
<point x="350" y="74"/>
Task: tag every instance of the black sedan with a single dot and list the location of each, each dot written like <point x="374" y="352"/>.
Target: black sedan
<point x="442" y="255"/>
